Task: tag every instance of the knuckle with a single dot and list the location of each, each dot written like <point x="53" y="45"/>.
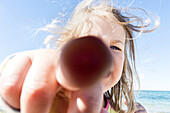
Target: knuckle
<point x="35" y="93"/>
<point x="9" y="90"/>
<point x="11" y="95"/>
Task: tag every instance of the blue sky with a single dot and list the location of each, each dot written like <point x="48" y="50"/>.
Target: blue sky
<point x="20" y="19"/>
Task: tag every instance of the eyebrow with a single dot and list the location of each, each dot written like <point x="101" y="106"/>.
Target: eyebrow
<point x="116" y="41"/>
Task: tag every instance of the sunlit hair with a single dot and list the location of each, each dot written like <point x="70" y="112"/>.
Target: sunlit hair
<point x="80" y="23"/>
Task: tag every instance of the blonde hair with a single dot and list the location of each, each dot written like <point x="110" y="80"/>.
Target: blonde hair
<point x="80" y="23"/>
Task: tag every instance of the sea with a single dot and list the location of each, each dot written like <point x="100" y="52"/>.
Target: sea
<point x="154" y="101"/>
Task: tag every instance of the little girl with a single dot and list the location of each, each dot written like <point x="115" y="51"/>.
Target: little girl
<point x="31" y="80"/>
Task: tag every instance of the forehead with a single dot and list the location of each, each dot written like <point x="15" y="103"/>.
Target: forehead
<point x="106" y="27"/>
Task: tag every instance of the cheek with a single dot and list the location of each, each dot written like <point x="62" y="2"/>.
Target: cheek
<point x="117" y="67"/>
<point x="116" y="71"/>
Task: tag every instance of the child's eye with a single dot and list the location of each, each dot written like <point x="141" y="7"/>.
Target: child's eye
<point x="114" y="47"/>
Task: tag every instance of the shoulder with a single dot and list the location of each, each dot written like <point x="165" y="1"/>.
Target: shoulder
<point x="140" y="108"/>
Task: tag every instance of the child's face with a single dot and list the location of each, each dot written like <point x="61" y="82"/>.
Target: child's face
<point x="113" y="35"/>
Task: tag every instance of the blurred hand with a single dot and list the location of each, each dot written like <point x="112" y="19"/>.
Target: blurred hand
<point x="31" y="81"/>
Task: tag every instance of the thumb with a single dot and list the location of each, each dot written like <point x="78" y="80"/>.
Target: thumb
<point x="87" y="100"/>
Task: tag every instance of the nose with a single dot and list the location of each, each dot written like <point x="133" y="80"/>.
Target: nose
<point x="85" y="60"/>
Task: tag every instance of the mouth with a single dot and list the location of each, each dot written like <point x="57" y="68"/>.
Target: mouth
<point x="107" y="75"/>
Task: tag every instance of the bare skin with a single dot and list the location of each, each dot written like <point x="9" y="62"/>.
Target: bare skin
<point x="33" y="91"/>
<point x="31" y="79"/>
